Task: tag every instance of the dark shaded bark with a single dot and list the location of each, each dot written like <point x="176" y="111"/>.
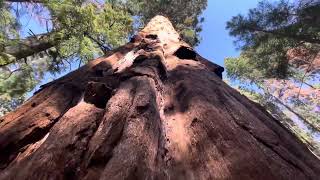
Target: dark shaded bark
<point x="149" y="110"/>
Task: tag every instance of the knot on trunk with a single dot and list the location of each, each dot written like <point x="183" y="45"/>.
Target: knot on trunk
<point x="102" y="69"/>
<point x="97" y="93"/>
<point x="186" y="53"/>
<point x="218" y="71"/>
<point x="150" y="66"/>
<point x="152" y="36"/>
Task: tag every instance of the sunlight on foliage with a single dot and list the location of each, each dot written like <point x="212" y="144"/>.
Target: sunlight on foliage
<point x="89" y="30"/>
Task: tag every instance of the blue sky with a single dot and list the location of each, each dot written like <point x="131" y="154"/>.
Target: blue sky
<point x="216" y="43"/>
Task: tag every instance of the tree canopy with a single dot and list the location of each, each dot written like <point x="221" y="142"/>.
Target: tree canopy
<point x="270" y="30"/>
<point x="279" y="60"/>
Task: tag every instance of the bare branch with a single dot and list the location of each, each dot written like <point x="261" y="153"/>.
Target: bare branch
<point x="11" y="72"/>
<point x="23" y="48"/>
<point x="103" y="48"/>
<point x="304" y="38"/>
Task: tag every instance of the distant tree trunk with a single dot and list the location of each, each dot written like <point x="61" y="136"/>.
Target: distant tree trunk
<point x="152" y="109"/>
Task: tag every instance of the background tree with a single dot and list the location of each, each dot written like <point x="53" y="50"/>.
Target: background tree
<point x="280" y="56"/>
<point x="71" y="20"/>
<point x="270" y="30"/>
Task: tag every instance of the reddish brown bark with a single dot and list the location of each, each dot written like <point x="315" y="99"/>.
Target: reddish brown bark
<point x="153" y="109"/>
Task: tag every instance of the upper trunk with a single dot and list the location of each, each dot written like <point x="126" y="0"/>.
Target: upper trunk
<point x="154" y="109"/>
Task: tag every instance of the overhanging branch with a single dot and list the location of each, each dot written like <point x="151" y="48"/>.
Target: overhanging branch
<point x="304" y="38"/>
<point x="22" y="48"/>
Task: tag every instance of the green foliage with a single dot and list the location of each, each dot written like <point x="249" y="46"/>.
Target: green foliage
<point x="9" y="27"/>
<point x="241" y="68"/>
<point x="268" y="31"/>
<point x="22" y="77"/>
<point x="8" y="104"/>
<point x="81" y="31"/>
<point x="265" y="36"/>
<point x="268" y="102"/>
<point x="309" y="113"/>
<point x="253" y="84"/>
<point x="89" y="30"/>
<point x="13" y="88"/>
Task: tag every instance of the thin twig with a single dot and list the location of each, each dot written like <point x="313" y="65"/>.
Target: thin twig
<point x="79" y="63"/>
<point x="47" y="26"/>
<point x="304" y="75"/>
<point x="102" y="46"/>
<point x="11" y="72"/>
<point x="110" y="26"/>
<point x="32" y="32"/>
<point x="69" y="64"/>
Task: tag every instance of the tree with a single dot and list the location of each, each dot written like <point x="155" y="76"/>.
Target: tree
<point x="154" y="109"/>
<point x="270" y="30"/>
<point x="73" y="20"/>
<point x="280" y="54"/>
<point x="285" y="114"/>
<point x="77" y="31"/>
<point x="300" y="102"/>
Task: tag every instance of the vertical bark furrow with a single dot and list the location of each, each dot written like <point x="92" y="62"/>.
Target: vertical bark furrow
<point x="192" y="100"/>
<point x="141" y="134"/>
<point x="109" y="132"/>
<point x="288" y="140"/>
<point x="30" y="127"/>
<point x="284" y="155"/>
<point x="62" y="151"/>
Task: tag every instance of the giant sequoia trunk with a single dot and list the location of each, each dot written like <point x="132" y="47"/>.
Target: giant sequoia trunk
<point x="152" y="109"/>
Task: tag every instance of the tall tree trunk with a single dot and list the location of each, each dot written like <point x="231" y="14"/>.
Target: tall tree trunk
<point x="153" y="109"/>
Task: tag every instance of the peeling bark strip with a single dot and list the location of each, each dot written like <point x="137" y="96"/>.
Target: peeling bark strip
<point x="153" y="109"/>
